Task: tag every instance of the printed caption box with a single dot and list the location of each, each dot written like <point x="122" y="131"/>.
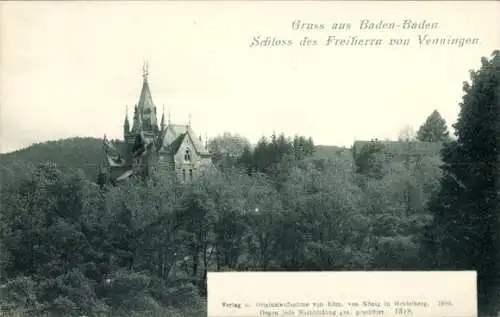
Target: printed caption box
<point x="363" y="294"/>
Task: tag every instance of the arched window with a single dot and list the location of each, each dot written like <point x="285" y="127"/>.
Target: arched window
<point x="183" y="174"/>
<point x="191" y="174"/>
<point x="187" y="156"/>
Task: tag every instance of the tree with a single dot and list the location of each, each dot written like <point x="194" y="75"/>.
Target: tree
<point x="246" y="160"/>
<point x="369" y="160"/>
<point x="324" y="225"/>
<point x="273" y="156"/>
<point x="264" y="212"/>
<point x="226" y="148"/>
<point x="434" y="129"/>
<point x="466" y="213"/>
<point x="407" y="134"/>
<point x="227" y="143"/>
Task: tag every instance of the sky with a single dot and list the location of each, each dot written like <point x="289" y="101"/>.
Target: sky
<point x="71" y="68"/>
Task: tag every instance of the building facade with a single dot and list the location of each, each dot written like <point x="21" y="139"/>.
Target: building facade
<point x="149" y="146"/>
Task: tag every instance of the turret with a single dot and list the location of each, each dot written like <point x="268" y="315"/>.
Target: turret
<point x="162" y="124"/>
<point x="126" y="126"/>
<point x="137" y="127"/>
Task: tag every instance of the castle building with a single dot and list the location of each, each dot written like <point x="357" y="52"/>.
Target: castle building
<point x="148" y="147"/>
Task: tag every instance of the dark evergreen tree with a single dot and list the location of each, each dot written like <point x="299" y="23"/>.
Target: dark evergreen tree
<point x="465" y="234"/>
<point x="434" y="129"/>
<point x="245" y="160"/>
<point x="368" y="161"/>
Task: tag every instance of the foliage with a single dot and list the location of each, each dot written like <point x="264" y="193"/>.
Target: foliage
<point x="72" y="247"/>
<point x="226" y="148"/>
<point x="87" y="153"/>
<point x="145" y="247"/>
<point x="434" y="129"/>
<point x="464" y="234"/>
<point x="407" y="134"/>
<point x="370" y="159"/>
<point x="273" y="156"/>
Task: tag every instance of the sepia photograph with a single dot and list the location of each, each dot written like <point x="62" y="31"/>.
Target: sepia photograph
<point x="148" y="144"/>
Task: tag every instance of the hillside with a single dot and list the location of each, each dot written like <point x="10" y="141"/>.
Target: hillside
<point x="83" y="152"/>
<point x="329" y="151"/>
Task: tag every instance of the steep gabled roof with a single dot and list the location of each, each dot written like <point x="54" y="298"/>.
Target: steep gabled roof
<point x="180" y="131"/>
<point x="174" y="146"/>
<point x="200" y="148"/>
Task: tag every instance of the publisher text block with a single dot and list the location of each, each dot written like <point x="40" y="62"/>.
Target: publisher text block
<point x="364" y="294"/>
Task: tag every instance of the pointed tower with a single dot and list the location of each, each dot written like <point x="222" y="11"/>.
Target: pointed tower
<point x="146" y="107"/>
<point x="126" y="126"/>
<point x="162" y="124"/>
<point x="137" y="123"/>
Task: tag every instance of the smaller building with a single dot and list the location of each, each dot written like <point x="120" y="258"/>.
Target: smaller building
<point x="399" y="150"/>
<point x="149" y="147"/>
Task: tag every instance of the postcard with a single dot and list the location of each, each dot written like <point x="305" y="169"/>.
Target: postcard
<point x="249" y="158"/>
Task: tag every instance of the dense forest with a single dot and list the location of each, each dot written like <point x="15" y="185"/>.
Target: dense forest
<point x="70" y="247"/>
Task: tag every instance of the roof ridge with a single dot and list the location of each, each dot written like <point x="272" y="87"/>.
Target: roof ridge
<point x="198" y="145"/>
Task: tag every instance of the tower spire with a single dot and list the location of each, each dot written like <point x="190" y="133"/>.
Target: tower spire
<point x="139" y="121"/>
<point x="162" y="124"/>
<point x="126" y="124"/>
<point x="145" y="70"/>
<point x="146" y="106"/>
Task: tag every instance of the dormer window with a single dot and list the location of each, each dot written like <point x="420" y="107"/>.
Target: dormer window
<point x="187" y="155"/>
